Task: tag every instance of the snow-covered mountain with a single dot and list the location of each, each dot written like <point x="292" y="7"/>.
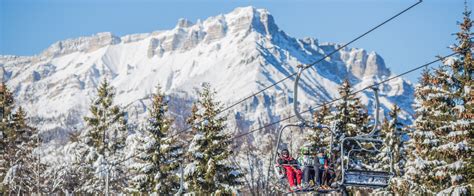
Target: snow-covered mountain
<point x="237" y="53"/>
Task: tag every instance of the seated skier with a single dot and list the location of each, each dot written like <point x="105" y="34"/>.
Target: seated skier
<point x="326" y="172"/>
<point x="308" y="164"/>
<point x="291" y="168"/>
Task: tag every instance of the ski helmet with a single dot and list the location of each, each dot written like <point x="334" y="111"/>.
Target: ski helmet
<point x="304" y="150"/>
<point x="307" y="149"/>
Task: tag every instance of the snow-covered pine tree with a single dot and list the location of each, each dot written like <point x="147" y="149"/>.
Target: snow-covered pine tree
<point x="17" y="142"/>
<point x="75" y="170"/>
<point x="392" y="132"/>
<point x="350" y="116"/>
<point x="443" y="128"/>
<point x="22" y="176"/>
<point x="434" y="102"/>
<point x="443" y="118"/>
<point x="158" y="156"/>
<point x="105" y="135"/>
<point x="394" y="141"/>
<point x="210" y="170"/>
<point x="320" y="137"/>
<point x="6" y="132"/>
<point x="422" y="139"/>
<point x="456" y="148"/>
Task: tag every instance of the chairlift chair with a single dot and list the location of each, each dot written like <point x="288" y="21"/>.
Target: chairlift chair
<point x="364" y="177"/>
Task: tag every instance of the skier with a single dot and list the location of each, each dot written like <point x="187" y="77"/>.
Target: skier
<point x="308" y="163"/>
<point x="325" y="173"/>
<point x="291" y="167"/>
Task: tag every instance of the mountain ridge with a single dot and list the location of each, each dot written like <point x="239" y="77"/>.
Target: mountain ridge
<point x="238" y="53"/>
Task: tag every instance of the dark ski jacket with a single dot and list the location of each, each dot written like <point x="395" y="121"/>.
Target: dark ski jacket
<point x="289" y="160"/>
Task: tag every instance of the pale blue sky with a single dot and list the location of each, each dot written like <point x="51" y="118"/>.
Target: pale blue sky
<point x="30" y="26"/>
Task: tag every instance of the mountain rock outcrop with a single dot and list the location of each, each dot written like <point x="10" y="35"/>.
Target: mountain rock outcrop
<point x="237" y="53"/>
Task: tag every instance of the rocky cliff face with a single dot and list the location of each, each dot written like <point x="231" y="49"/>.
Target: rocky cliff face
<point x="237" y="53"/>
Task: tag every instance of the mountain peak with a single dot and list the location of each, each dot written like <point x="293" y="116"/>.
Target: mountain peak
<point x="248" y="11"/>
<point x="243" y="11"/>
<point x="184" y="23"/>
<point x="250" y="17"/>
<point x="241" y="19"/>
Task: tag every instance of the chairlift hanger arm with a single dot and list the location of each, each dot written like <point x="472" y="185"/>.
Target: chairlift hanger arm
<point x="301" y="68"/>
<point x="377" y="107"/>
<point x="295" y="97"/>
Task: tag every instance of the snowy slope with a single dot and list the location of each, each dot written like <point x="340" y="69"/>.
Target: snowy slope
<point x="237" y="53"/>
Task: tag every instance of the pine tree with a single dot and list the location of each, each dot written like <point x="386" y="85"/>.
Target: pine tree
<point x="320" y="137"/>
<point x="17" y="142"/>
<point x="433" y="123"/>
<point x="443" y="118"/>
<point x="394" y="140"/>
<point x="422" y="138"/>
<point x="392" y="132"/>
<point x="105" y="137"/>
<point x="350" y="116"/>
<point x="21" y="178"/>
<point x="441" y="144"/>
<point x="74" y="172"/>
<point x="209" y="170"/>
<point x="432" y="116"/>
<point x="456" y="149"/>
<point x="159" y="157"/>
<point x="6" y="132"/>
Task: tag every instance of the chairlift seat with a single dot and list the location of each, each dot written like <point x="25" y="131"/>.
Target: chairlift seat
<point x="313" y="190"/>
<point x="327" y="191"/>
<point x="376" y="179"/>
<point x="279" y="171"/>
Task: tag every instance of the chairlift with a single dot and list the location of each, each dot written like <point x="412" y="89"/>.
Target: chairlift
<point x="367" y="177"/>
<point x="302" y="124"/>
<point x="349" y="176"/>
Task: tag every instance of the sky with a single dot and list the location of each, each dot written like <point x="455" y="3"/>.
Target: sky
<point x="27" y="27"/>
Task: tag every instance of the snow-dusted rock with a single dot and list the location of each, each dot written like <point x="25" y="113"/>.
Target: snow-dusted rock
<point x="237" y="53"/>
